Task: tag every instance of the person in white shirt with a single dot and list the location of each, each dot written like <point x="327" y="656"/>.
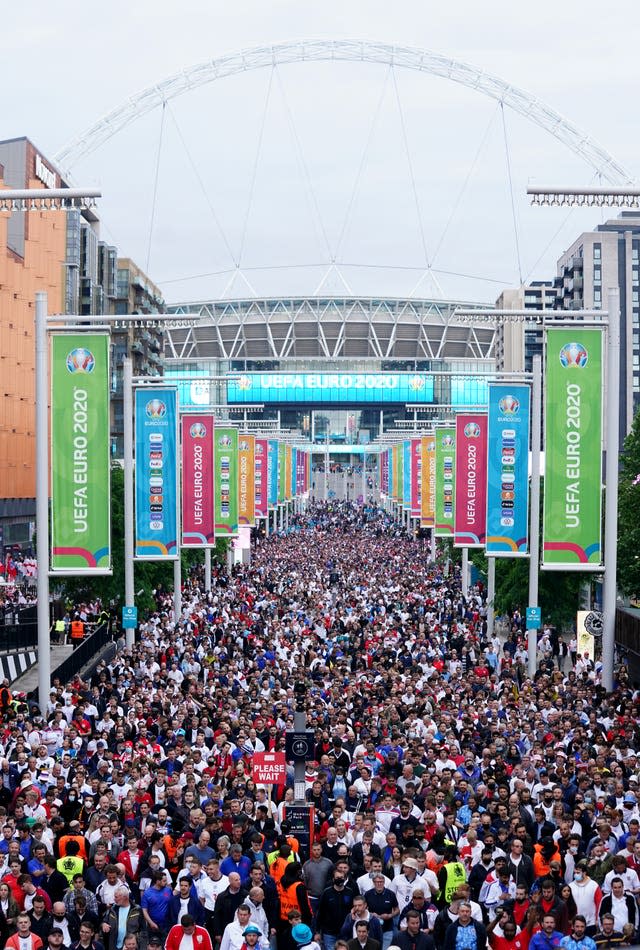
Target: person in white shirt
<point x="233" y="936"/>
<point x="629" y="877"/>
<point x="211" y="884"/>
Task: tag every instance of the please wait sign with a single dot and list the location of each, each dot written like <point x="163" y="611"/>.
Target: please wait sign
<point x="269" y="768"/>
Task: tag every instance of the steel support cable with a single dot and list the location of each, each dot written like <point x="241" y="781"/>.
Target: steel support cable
<point x="513" y="204"/>
<point x="365" y="152"/>
<point x="155" y="185"/>
<point x="265" y="110"/>
<point x="461" y="193"/>
<point x="304" y="165"/>
<point x="207" y="198"/>
<point x="412" y="176"/>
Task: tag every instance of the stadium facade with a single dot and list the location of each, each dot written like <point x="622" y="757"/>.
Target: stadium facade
<point x="337" y="370"/>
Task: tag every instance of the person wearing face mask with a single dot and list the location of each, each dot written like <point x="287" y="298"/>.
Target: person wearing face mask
<point x="572" y="855"/>
<point x="59" y="921"/>
<point x="335" y="903"/>
<point x="587" y="896"/>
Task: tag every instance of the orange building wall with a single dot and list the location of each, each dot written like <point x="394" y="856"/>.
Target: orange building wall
<point x="41" y="269"/>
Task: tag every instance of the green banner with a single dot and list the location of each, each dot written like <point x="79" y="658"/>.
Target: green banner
<point x="282" y="465"/>
<point x="573" y="450"/>
<point x="226" y="482"/>
<point x="397" y="473"/>
<point x="445" y="480"/>
<point x="80" y="473"/>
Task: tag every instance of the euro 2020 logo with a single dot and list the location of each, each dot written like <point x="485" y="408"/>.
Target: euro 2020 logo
<point x="509" y="405"/>
<point x="80" y="360"/>
<point x="472" y="430"/>
<point x="156" y="409"/>
<point x="198" y="430"/>
<point x="574" y="356"/>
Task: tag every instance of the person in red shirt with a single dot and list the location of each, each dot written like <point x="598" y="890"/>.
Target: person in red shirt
<point x="510" y="939"/>
<point x="187" y="928"/>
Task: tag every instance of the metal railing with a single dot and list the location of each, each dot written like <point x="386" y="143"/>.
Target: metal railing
<point x="89" y="648"/>
<point x="21" y="632"/>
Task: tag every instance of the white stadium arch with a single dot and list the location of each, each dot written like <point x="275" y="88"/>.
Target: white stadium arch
<point x="296" y="51"/>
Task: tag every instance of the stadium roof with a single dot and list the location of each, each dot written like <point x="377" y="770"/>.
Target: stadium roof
<point x="330" y="328"/>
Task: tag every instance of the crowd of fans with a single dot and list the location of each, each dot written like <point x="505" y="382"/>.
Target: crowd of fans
<point x="456" y="802"/>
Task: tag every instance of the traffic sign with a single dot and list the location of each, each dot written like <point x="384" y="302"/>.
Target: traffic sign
<point x="534" y="618"/>
<point x="129" y="618"/>
<point x="269" y="768"/>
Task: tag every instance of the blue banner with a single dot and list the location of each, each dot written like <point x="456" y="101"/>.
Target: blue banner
<point x="272" y="474"/>
<point x="406" y="475"/>
<point x="331" y="388"/>
<point x="156" y="473"/>
<point x="508" y="470"/>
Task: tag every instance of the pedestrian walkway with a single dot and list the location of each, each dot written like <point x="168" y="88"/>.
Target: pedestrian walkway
<point x="29" y="680"/>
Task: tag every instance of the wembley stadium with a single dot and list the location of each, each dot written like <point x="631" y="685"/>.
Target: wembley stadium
<point x="336" y="371"/>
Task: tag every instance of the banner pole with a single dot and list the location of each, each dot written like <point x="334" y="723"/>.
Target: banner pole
<point x="364" y="478"/>
<point x="207" y="569"/>
<point x="534" y="513"/>
<point x="609" y="593"/>
<point x="177" y="588"/>
<point x="465" y="572"/>
<point x="42" y="502"/>
<point x="491" y="594"/>
<point x="127" y="406"/>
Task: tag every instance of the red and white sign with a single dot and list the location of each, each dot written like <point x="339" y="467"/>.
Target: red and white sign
<point x="269" y="768"/>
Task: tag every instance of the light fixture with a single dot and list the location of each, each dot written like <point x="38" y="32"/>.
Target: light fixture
<point x="48" y="199"/>
<point x="609" y="197"/>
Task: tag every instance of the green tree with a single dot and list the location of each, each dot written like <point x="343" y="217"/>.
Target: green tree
<point x="629" y="512"/>
<point x="148" y="575"/>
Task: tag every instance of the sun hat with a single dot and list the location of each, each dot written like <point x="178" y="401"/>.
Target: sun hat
<point x="301" y="934"/>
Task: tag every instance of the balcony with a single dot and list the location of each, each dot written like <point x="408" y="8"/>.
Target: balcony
<point x="577" y="263"/>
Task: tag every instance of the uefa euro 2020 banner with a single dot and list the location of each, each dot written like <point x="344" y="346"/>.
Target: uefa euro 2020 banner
<point x="80" y="476"/>
<point x="508" y="470"/>
<point x="156" y="473"/>
<point x="427" y="481"/>
<point x="197" y="480"/>
<point x="445" y="480"/>
<point x="246" y="479"/>
<point x="226" y="481"/>
<point x="416" y="475"/>
<point x="406" y="475"/>
<point x="573" y="450"/>
<point x="272" y="475"/>
<point x="261" y="461"/>
<point x="470" y="519"/>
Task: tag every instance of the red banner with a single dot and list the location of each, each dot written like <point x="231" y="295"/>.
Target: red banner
<point x="470" y="530"/>
<point x="197" y="480"/>
<point x="261" y="472"/>
<point x="269" y="768"/>
<point x="416" y="465"/>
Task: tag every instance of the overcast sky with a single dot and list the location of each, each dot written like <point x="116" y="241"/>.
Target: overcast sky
<point x="282" y="170"/>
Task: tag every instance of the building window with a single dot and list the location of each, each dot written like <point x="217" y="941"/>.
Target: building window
<point x="597" y="274"/>
<point x="597" y="252"/>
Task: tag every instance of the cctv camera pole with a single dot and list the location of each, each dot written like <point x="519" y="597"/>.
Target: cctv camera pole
<point x="299" y="726"/>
